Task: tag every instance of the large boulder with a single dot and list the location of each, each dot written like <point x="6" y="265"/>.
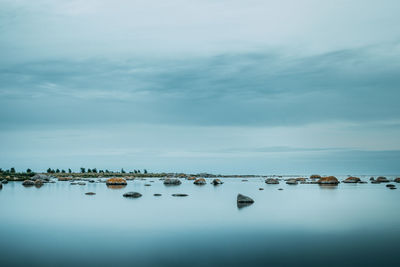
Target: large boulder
<point x="397" y="180"/>
<point x="132" y="195"/>
<point x="382" y="179"/>
<point x="28" y="183"/>
<point x="216" y="182"/>
<point x="172" y="181"/>
<point x="330" y="180"/>
<point x="352" y="180"/>
<point x="244" y="199"/>
<point x="272" y="181"/>
<point x="116" y="181"/>
<point x="200" y="181"/>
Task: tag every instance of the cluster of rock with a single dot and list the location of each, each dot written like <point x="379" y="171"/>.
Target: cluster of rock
<point x="272" y="181"/>
<point x="391" y="186"/>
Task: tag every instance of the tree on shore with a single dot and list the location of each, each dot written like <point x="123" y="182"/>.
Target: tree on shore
<point x="28" y="170"/>
<point x="82" y="170"/>
<point x="94" y="170"/>
<point x="62" y="171"/>
<point x="57" y="171"/>
<point x="12" y="170"/>
<point x="145" y="171"/>
<point x="69" y="171"/>
<point x="122" y="170"/>
<point x="48" y="170"/>
<point x="89" y="170"/>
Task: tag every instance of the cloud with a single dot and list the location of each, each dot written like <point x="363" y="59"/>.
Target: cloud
<point x="355" y="85"/>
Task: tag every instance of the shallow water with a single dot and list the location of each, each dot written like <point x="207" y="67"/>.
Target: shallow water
<point x="58" y="225"/>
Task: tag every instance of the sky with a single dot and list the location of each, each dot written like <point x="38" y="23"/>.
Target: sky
<point x="225" y="87"/>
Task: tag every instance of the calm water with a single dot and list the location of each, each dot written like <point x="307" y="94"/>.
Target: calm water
<point x="303" y="225"/>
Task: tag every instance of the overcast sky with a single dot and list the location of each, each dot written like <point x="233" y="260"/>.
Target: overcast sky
<point x="256" y="87"/>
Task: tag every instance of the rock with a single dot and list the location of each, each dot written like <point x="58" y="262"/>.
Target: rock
<point x="42" y="177"/>
<point x="372" y="179"/>
<point x="328" y="180"/>
<point x="216" y="182"/>
<point x="132" y="195"/>
<point x="363" y="182"/>
<point x="280" y="188"/>
<point x="260" y="188"/>
<point x="397" y="180"/>
<point x="375" y="182"/>
<point x="1" y="186"/>
<point x="38" y="183"/>
<point x="200" y="181"/>
<point x="352" y="180"/>
<point x="390" y="185"/>
<point x="179" y="195"/>
<point x="63" y="179"/>
<point x="172" y="181"/>
<point x="147" y="184"/>
<point x="91" y="181"/>
<point x="90" y="193"/>
<point x="28" y="183"/>
<point x="244" y="199"/>
<point x="116" y="181"/>
<point x="301" y="179"/>
<point x="392" y="188"/>
<point x="5" y="181"/>
<point x="157" y="195"/>
<point x="315" y="176"/>
<point x="192" y="178"/>
<point x="292" y="182"/>
<point x="272" y="181"/>
<point x="245" y="180"/>
<point x="81" y="183"/>
<point x="73" y="183"/>
<point x="382" y="179"/>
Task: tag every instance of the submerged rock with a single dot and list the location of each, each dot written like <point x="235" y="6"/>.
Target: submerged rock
<point x="91" y="181"/>
<point x="1" y="186"/>
<point x="147" y="184"/>
<point x="90" y="193"/>
<point x="4" y="181"/>
<point x="260" y="188"/>
<point x="132" y="195"/>
<point x="116" y="181"/>
<point x="28" y="183"/>
<point x="179" y="195"/>
<point x="272" y="181"/>
<point x="157" y="195"/>
<point x="200" y="181"/>
<point x="390" y="185"/>
<point x="216" y="182"/>
<point x="81" y="183"/>
<point x="172" y="181"/>
<point x="280" y="188"/>
<point x="352" y="180"/>
<point x="331" y="180"/>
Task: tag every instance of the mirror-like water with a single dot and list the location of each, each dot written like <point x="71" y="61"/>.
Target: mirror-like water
<point x="305" y="224"/>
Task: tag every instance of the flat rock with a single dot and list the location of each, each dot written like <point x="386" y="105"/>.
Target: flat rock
<point x="90" y="193"/>
<point x="116" y="181"/>
<point x="352" y="180"/>
<point x="292" y="182"/>
<point x="132" y="195"/>
<point x="260" y="188"/>
<point x="179" y="195"/>
<point x="81" y="183"/>
<point x="147" y="184"/>
<point x="157" y="195"/>
<point x="272" y="181"/>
